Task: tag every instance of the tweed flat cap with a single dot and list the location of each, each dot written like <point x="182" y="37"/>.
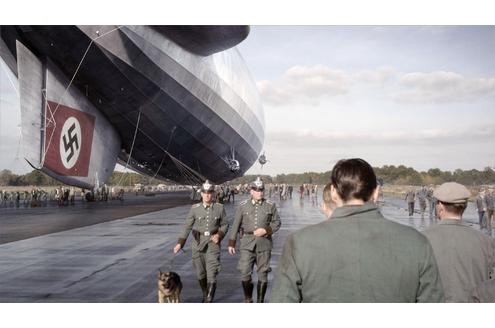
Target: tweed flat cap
<point x="452" y="192"/>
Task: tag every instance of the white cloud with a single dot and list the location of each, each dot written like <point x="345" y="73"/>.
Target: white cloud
<point x="291" y="151"/>
<point x="377" y="76"/>
<point x="309" y="84"/>
<point x="439" y="137"/>
<point x="443" y="87"/>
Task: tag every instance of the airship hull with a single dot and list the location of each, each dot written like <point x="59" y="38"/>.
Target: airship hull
<point x="179" y="113"/>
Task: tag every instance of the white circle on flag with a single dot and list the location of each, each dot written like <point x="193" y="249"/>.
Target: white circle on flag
<point x="70" y="142"/>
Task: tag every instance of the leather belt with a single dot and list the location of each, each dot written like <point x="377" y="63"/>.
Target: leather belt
<point x="206" y="233"/>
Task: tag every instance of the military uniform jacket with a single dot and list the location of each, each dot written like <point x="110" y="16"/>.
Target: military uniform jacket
<point x="422" y="195"/>
<point x="465" y="258"/>
<point x="249" y="217"/>
<point x="357" y="256"/>
<point x="489" y="199"/>
<point x="480" y="203"/>
<point x="201" y="219"/>
<point x="429" y="195"/>
<point x="410" y="196"/>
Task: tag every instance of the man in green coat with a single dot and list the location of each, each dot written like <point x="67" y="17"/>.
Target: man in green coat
<point x="256" y="219"/>
<point x="208" y="222"/>
<point x="357" y="255"/>
<point x="465" y="257"/>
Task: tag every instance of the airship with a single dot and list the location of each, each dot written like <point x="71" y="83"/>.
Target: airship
<point x="174" y="102"/>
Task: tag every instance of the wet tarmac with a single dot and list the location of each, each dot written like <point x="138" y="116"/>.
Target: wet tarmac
<point x="18" y="223"/>
<point x="118" y="260"/>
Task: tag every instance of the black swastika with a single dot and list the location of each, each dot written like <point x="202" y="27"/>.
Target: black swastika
<point x="70" y="144"/>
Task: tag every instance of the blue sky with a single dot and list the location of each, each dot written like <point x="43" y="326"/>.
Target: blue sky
<point x="422" y="96"/>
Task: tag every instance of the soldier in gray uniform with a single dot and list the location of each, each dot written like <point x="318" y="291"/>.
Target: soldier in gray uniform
<point x="410" y="198"/>
<point x="490" y="200"/>
<point x="209" y="224"/>
<point x="431" y="202"/>
<point x="465" y="257"/>
<point x="481" y="208"/>
<point x="422" y="201"/>
<point x="256" y="219"/>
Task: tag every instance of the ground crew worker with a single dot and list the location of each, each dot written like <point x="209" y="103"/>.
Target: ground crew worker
<point x="481" y="208"/>
<point x="357" y="255"/>
<point x="256" y="220"/>
<point x="209" y="224"/>
<point x="490" y="207"/>
<point x="431" y="202"/>
<point x="465" y="257"/>
<point x="422" y="201"/>
<point x="410" y="198"/>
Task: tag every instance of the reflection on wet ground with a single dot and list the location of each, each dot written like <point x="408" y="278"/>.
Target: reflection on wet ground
<point x="118" y="261"/>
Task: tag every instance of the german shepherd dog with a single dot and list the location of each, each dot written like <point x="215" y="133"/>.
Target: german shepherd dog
<point x="169" y="287"/>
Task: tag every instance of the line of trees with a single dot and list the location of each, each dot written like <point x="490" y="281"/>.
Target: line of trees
<point x="38" y="178"/>
<point x="390" y="174"/>
<point x="34" y="178"/>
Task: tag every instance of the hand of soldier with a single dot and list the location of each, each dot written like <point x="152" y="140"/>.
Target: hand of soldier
<point x="260" y="232"/>
<point x="177" y="248"/>
<point x="215" y="238"/>
<point x="231" y="250"/>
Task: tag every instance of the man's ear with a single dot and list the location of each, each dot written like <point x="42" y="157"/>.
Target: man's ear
<point x="439" y="208"/>
<point x="334" y="195"/>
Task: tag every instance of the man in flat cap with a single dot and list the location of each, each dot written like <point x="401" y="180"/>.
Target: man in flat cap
<point x="209" y="224"/>
<point x="256" y="220"/>
<point x="465" y="257"/>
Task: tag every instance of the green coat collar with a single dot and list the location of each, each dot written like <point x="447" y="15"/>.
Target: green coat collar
<point x="451" y="222"/>
<point x="349" y="210"/>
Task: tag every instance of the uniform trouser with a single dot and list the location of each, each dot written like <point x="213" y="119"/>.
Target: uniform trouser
<point x="489" y="218"/>
<point x="422" y="208"/>
<point x="411" y="208"/>
<point x="247" y="261"/>
<point x="432" y="209"/>
<point x="481" y="216"/>
<point x="207" y="262"/>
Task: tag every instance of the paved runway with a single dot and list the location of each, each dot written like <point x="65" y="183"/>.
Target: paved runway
<point x="21" y="223"/>
<point x="117" y="261"/>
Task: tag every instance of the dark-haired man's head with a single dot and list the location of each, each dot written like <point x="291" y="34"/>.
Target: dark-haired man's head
<point x="353" y="181"/>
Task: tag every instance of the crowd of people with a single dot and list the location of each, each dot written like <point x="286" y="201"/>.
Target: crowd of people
<point x="355" y="255"/>
<point x="283" y="191"/>
<point x="61" y="196"/>
<point x="35" y="197"/>
<point x="484" y="203"/>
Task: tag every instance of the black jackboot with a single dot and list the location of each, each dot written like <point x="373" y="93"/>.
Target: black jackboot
<point x="204" y="288"/>
<point x="247" y="286"/>
<point x="261" y="291"/>
<point x="211" y="292"/>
